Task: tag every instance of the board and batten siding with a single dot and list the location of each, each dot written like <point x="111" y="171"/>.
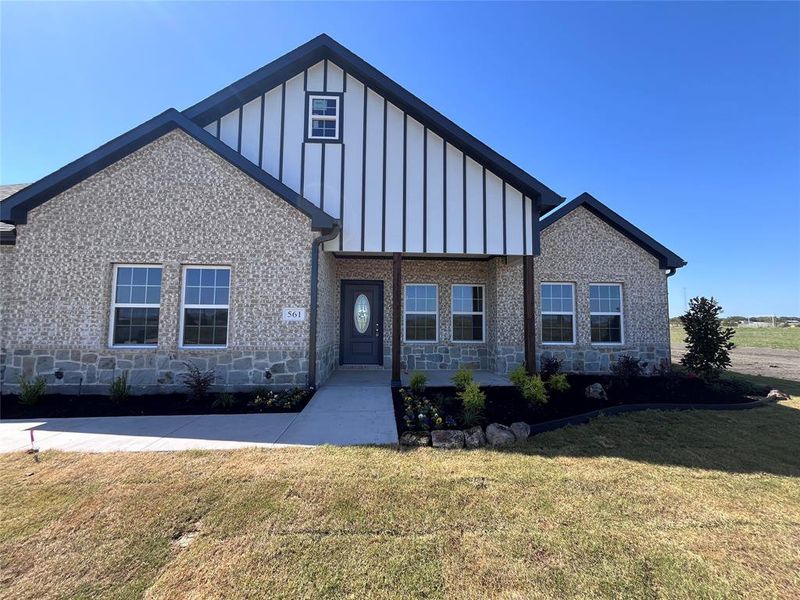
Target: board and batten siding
<point x="394" y="185"/>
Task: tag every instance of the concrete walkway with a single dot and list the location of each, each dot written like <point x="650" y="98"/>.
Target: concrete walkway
<point x="353" y="407"/>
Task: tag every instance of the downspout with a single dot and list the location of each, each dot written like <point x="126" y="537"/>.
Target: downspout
<point x="312" y="311"/>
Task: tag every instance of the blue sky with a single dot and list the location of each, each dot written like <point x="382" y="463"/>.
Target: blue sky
<point x="683" y="117"/>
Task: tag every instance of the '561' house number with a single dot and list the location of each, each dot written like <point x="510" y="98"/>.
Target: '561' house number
<point x="294" y="314"/>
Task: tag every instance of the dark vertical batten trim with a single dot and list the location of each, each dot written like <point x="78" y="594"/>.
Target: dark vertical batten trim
<point x="405" y="172"/>
<point x="302" y="169"/>
<point x="505" y="243"/>
<point x="444" y="195"/>
<point x="283" y="119"/>
<point x="322" y="178"/>
<point x="464" y="194"/>
<point x="364" y="170"/>
<point x="219" y="128"/>
<point x="425" y="189"/>
<point x="484" y="210"/>
<point x="261" y="132"/>
<point x="383" y="182"/>
<point x="239" y="139"/>
<point x="305" y="80"/>
<point x="325" y="75"/>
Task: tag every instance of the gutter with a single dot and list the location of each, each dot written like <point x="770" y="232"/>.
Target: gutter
<point x="312" y="311"/>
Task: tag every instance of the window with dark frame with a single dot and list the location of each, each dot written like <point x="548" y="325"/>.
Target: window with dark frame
<point x="206" y="297"/>
<point x="468" y="313"/>
<point x="605" y="308"/>
<point x="323" y="117"/>
<point x="135" y="305"/>
<point x="558" y="313"/>
<point x="421" y="312"/>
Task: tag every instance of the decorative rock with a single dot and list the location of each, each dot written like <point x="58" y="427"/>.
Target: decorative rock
<point x="500" y="435"/>
<point x="596" y="392"/>
<point x="777" y="395"/>
<point x="521" y="430"/>
<point x="474" y="437"/>
<point x="415" y="438"/>
<point x="443" y="438"/>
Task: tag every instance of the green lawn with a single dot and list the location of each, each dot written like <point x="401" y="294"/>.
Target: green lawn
<point x="784" y="338"/>
<point x="695" y="504"/>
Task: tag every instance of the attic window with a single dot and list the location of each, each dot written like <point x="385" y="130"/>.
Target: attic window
<point x="324" y="112"/>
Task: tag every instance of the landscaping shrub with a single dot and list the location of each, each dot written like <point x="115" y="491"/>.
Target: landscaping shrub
<point x="624" y="369"/>
<point x="473" y="400"/>
<point x="418" y="383"/>
<point x="198" y="381"/>
<point x="462" y="379"/>
<point x="225" y="400"/>
<point x="550" y="366"/>
<point x="531" y="387"/>
<point x="707" y="340"/>
<point x="30" y="392"/>
<point x="120" y="390"/>
<point x="558" y="383"/>
<point x="282" y="399"/>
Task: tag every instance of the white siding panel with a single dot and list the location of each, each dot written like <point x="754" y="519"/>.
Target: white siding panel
<point x="353" y="148"/>
<point x="293" y="131"/>
<point x="229" y="129"/>
<point x="251" y="126"/>
<point x="474" y="207"/>
<point x="272" y="132"/>
<point x="435" y="194"/>
<point x="414" y="185"/>
<point x="315" y="78"/>
<point x="494" y="214"/>
<point x="394" y="179"/>
<point x="335" y="78"/>
<point x="332" y="184"/>
<point x="455" y="200"/>
<point x="211" y="128"/>
<point x="513" y="221"/>
<point x="528" y="223"/>
<point x="312" y="176"/>
<point x="373" y="234"/>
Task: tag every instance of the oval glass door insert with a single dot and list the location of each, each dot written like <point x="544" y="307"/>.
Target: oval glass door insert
<point x="361" y="313"/>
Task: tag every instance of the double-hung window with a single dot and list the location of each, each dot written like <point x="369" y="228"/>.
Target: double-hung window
<point x="135" y="306"/>
<point x="605" y="307"/>
<point x="468" y="313"/>
<point x="421" y="316"/>
<point x="206" y="296"/>
<point x="558" y="313"/>
<point x="324" y="122"/>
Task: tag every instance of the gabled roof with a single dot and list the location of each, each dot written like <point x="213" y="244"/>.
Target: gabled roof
<point x="667" y="259"/>
<point x="324" y="47"/>
<point x="15" y="208"/>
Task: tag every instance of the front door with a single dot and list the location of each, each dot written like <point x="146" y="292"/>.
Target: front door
<point x="361" y="329"/>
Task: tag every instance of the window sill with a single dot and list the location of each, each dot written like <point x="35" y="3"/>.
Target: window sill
<point x="559" y="344"/>
<point x="203" y="347"/>
<point x="134" y="347"/>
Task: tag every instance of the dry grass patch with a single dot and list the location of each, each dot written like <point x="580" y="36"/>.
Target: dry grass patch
<point x="681" y="505"/>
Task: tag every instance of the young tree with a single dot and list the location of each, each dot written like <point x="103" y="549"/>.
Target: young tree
<point x="707" y="341"/>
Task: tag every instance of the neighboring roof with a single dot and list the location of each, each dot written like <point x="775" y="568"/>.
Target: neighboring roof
<point x="324" y="47"/>
<point x="15" y="208"/>
<point x="10" y="189"/>
<point x="8" y="234"/>
<point x="666" y="258"/>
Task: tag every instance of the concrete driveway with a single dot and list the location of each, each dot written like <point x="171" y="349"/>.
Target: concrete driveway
<point x="352" y="408"/>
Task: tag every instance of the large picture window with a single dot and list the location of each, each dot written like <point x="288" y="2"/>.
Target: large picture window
<point x="558" y="313"/>
<point x="421" y="315"/>
<point x="468" y="313"/>
<point x="206" y="297"/>
<point x="135" y="305"/>
<point x="605" y="306"/>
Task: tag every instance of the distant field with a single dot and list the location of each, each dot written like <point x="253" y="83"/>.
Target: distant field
<point x="782" y="338"/>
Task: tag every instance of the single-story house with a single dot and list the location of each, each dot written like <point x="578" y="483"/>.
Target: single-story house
<point x="312" y="215"/>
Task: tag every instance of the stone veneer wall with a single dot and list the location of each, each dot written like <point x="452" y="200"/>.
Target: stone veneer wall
<point x="327" y="303"/>
<point x="171" y="203"/>
<point x="581" y="248"/>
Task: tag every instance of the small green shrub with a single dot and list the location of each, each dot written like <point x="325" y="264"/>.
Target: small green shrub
<point x="473" y="400"/>
<point x="462" y="379"/>
<point x="624" y="369"/>
<point x="421" y="414"/>
<point x="418" y="383"/>
<point x="225" y="400"/>
<point x="266" y="399"/>
<point x="558" y="383"/>
<point x="30" y="392"/>
<point x="530" y="386"/>
<point x="550" y="366"/>
<point x="707" y="341"/>
<point x="120" y="390"/>
<point x="198" y="381"/>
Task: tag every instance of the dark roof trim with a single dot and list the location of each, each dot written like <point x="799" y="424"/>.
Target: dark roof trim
<point x="15" y="208"/>
<point x="324" y="47"/>
<point x="666" y="258"/>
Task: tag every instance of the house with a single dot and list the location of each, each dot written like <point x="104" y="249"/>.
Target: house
<point x="312" y="215"/>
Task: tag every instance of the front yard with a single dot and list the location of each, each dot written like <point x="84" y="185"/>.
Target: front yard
<point x="692" y="504"/>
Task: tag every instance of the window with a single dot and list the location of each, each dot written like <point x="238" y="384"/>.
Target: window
<point x="206" y="292"/>
<point x="135" y="305"/>
<point x="421" y="314"/>
<point x="558" y="313"/>
<point x="468" y="313"/>
<point x="323" y="117"/>
<point x="605" y="307"/>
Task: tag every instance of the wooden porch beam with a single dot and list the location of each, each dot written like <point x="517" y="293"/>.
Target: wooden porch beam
<point x="397" y="299"/>
<point x="529" y="314"/>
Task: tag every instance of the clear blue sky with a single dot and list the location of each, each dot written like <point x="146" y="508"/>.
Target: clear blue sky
<point x="683" y="117"/>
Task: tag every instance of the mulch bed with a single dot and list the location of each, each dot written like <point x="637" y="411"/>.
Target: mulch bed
<point x="504" y="404"/>
<point x="57" y="405"/>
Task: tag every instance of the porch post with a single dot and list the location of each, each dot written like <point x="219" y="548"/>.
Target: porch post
<point x="397" y="299"/>
<point x="529" y="314"/>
